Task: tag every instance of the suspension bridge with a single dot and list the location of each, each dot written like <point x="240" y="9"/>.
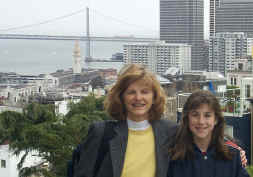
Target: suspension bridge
<point x="81" y="38"/>
<point x="86" y="37"/>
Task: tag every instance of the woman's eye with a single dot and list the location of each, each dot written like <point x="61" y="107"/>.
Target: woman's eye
<point x="145" y="91"/>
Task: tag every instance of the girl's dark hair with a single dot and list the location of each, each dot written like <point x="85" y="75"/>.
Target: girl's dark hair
<point x="184" y="144"/>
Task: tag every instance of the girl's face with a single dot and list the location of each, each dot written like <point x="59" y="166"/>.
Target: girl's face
<point x="201" y="123"/>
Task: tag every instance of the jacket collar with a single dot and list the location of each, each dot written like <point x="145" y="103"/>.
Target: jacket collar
<point x="119" y="143"/>
<point x="198" y="153"/>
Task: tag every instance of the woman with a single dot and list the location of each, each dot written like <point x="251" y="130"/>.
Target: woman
<point x="136" y="144"/>
<point x="199" y="149"/>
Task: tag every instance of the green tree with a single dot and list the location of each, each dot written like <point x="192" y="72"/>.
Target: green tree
<point x="89" y="106"/>
<point x="53" y="138"/>
<point x="250" y="170"/>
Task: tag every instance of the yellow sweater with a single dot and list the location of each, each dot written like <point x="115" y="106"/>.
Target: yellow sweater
<point x="140" y="154"/>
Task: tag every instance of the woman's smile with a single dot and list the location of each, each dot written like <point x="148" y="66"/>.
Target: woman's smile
<point x="138" y="99"/>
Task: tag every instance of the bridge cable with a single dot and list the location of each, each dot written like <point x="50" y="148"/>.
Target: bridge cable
<point x="121" y="21"/>
<point x="72" y="14"/>
<point x="43" y="22"/>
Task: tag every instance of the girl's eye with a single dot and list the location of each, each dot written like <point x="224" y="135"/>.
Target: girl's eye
<point x="130" y="92"/>
<point x="194" y="114"/>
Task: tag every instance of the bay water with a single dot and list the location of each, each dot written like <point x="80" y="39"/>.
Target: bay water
<point x="35" y="57"/>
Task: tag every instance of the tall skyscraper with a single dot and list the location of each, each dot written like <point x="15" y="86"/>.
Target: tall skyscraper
<point x="214" y="4"/>
<point x="182" y="21"/>
<point x="231" y="16"/>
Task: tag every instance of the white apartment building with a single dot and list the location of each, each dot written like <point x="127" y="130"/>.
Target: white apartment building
<point x="242" y="78"/>
<point x="246" y="91"/>
<point x="243" y="69"/>
<point x="244" y="81"/>
<point x="250" y="47"/>
<point x="159" y="56"/>
<point x="226" y="48"/>
<point x="8" y="161"/>
<point x="62" y="107"/>
<point x="20" y="88"/>
<point x="234" y="78"/>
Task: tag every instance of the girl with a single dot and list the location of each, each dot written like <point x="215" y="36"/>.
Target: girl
<point x="199" y="149"/>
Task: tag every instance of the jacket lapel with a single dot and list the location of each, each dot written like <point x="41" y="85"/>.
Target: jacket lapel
<point x="118" y="147"/>
<point x="161" y="137"/>
<point x="119" y="143"/>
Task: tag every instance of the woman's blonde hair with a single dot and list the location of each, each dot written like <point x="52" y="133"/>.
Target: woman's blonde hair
<point x="114" y="104"/>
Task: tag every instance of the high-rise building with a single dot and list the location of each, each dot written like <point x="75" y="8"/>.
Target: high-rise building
<point x="226" y="49"/>
<point x="206" y="54"/>
<point x="231" y="16"/>
<point x="182" y="21"/>
<point x="159" y="56"/>
<point x="214" y="4"/>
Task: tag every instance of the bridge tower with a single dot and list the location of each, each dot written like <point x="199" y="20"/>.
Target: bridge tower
<point x="88" y="56"/>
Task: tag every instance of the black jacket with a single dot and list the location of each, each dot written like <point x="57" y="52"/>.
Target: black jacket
<point x="113" y="161"/>
<point x="208" y="166"/>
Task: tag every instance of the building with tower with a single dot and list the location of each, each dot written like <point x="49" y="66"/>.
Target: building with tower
<point x="77" y="67"/>
<point x="182" y="21"/>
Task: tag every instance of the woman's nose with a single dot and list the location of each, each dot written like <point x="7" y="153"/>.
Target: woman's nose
<point x="138" y="95"/>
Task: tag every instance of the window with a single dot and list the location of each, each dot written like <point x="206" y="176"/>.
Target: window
<point x="3" y="163"/>
<point x="247" y="91"/>
<point x="229" y="130"/>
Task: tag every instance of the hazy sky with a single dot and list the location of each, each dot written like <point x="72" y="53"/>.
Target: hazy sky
<point x="107" y="17"/>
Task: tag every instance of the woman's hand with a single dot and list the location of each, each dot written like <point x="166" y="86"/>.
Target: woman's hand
<point x="242" y="152"/>
<point x="243" y="157"/>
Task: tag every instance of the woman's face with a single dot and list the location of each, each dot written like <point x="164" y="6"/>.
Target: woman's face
<point x="138" y="99"/>
<point x="201" y="123"/>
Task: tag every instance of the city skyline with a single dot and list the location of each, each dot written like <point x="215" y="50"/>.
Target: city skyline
<point x="131" y="17"/>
